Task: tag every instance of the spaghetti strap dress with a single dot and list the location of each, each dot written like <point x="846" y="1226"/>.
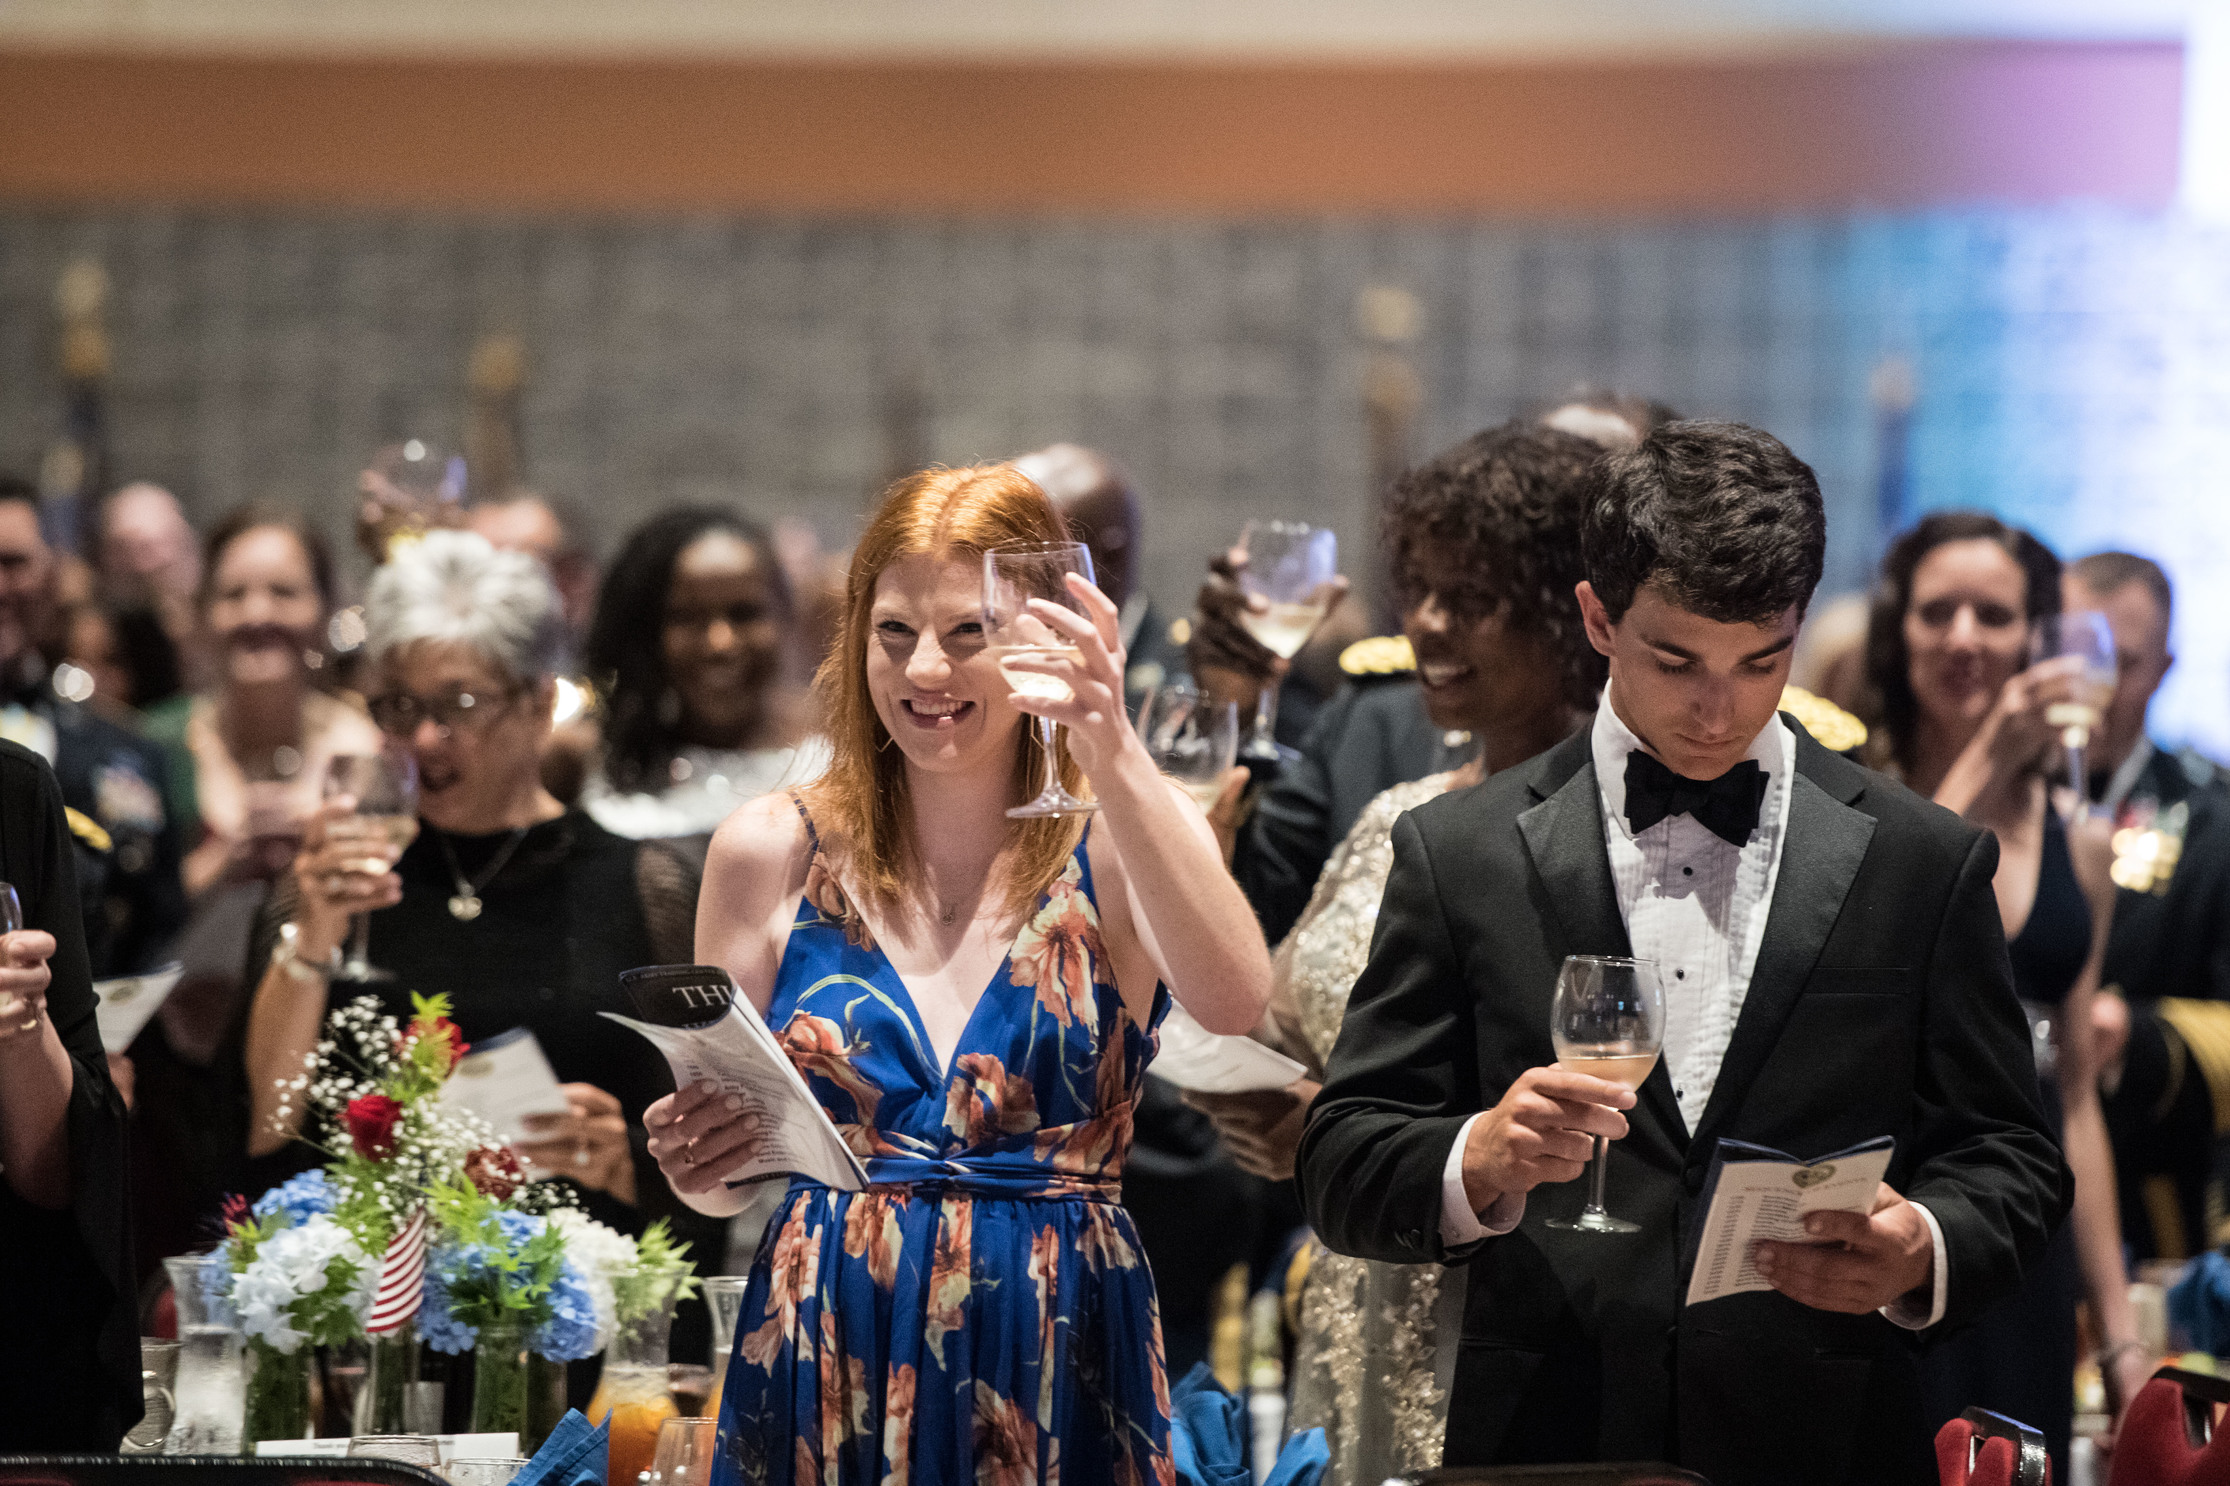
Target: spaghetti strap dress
<point x="983" y="1311"/>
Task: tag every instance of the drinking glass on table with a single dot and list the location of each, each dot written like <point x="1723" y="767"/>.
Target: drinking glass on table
<point x="1193" y="739"/>
<point x="1290" y="567"/>
<point x="2085" y="637"/>
<point x="1019" y="639"/>
<point x="385" y="789"/>
<point x="410" y="1449"/>
<point x="685" y="1450"/>
<point x="1608" y="1022"/>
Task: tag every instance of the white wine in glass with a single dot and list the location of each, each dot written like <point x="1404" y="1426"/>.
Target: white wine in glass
<point x="2086" y="637"/>
<point x="1012" y="577"/>
<point x="385" y="789"/>
<point x="1291" y="567"/>
<point x="1607" y="1021"/>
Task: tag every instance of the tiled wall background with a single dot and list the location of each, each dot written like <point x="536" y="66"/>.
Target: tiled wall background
<point x="2073" y="367"/>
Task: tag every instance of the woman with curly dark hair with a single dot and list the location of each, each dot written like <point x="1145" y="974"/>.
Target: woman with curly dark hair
<point x="690" y="646"/>
<point x="1960" y="715"/>
<point x="1485" y="550"/>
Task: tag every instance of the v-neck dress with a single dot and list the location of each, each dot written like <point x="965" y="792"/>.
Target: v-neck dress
<point x="983" y="1312"/>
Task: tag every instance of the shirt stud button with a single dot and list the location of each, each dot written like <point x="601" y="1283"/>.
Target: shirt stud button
<point x="1680" y="975"/>
<point x="1687" y="871"/>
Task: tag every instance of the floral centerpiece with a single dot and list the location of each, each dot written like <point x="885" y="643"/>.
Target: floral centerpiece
<point x="299" y="1276"/>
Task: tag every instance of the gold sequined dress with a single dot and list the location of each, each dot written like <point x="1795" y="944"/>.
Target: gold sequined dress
<point x="1364" y="1366"/>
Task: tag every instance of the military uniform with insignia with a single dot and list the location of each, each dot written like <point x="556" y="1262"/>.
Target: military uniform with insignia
<point x="127" y="852"/>
<point x="2168" y="955"/>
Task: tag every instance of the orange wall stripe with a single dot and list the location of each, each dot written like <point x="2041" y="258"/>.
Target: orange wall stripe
<point x="1895" y="126"/>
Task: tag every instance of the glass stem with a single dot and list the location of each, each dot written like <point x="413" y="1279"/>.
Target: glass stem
<point x="1266" y="714"/>
<point x="1047" y="737"/>
<point x="2078" y="778"/>
<point x="1596" y="1177"/>
<point x="360" y="941"/>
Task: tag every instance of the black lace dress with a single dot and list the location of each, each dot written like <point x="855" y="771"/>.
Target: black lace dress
<point x="2019" y="1359"/>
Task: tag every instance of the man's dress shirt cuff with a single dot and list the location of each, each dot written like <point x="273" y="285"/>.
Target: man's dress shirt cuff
<point x="1904" y="1311"/>
<point x="1459" y="1225"/>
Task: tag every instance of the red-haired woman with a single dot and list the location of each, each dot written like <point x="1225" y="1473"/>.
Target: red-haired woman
<point x="972" y="998"/>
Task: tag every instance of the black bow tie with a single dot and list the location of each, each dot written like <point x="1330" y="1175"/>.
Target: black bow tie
<point x="1727" y="806"/>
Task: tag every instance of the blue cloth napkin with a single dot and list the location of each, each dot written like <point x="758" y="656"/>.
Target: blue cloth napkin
<point x="1207" y="1432"/>
<point x="577" y="1453"/>
<point x="1302" y="1462"/>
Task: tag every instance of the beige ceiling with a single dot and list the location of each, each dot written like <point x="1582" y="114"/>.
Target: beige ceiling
<point x="1063" y="28"/>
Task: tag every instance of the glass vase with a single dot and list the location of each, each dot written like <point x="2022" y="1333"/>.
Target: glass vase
<point x="499" y="1380"/>
<point x="546" y="1401"/>
<point x="278" y="1395"/>
<point x="392" y="1368"/>
<point x="632" y="1393"/>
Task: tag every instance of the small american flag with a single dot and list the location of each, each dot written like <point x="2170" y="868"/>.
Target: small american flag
<point x="402" y="1272"/>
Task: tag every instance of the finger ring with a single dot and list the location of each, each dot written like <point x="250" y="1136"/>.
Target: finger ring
<point x="580" y="1155"/>
<point x="333" y="885"/>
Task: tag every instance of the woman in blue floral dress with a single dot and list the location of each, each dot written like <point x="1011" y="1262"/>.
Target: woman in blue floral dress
<point x="973" y="1000"/>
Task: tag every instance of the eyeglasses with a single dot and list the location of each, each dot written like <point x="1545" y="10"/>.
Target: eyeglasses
<point x="398" y="713"/>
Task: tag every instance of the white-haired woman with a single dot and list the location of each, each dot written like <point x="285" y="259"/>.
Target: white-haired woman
<point x="464" y="644"/>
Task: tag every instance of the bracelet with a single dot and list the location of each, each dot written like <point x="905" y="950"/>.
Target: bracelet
<point x="286" y="955"/>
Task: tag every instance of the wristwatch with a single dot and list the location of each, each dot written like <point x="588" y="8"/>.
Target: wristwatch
<point x="287" y="957"/>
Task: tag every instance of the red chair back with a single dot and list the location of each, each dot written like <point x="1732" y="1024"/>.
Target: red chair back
<point x="2168" y="1436"/>
<point x="1980" y="1448"/>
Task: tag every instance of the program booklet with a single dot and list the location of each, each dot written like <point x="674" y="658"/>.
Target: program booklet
<point x="1756" y="1193"/>
<point x="695" y="1016"/>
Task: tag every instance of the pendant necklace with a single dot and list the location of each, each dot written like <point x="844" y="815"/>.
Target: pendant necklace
<point x="465" y="905"/>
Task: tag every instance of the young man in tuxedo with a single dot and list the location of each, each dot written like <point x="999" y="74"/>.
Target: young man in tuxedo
<point x="1834" y="971"/>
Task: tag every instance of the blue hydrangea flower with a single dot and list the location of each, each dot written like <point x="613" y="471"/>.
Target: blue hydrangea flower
<point x="299" y="1197"/>
<point x="570" y="1332"/>
<point x="437" y="1326"/>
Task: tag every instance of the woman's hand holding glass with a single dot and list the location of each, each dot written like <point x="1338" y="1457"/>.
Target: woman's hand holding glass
<point x="1099" y="729"/>
<point x="698" y="1135"/>
<point x="24" y="975"/>
<point x="346" y="867"/>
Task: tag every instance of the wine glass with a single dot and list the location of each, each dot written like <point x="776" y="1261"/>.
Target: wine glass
<point x="410" y="487"/>
<point x="385" y="788"/>
<point x="1192" y="739"/>
<point x="685" y="1452"/>
<point x="1608" y="1021"/>
<point x="2086" y="637"/>
<point x="1291" y="567"/>
<point x="1012" y="576"/>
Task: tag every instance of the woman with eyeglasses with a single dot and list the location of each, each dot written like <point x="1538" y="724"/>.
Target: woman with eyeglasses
<point x="523" y="912"/>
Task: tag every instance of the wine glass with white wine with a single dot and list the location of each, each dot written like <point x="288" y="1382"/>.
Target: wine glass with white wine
<point x="1608" y="1022"/>
<point x="385" y="788"/>
<point x="1012" y="576"/>
<point x="1192" y="738"/>
<point x="2085" y="636"/>
<point x="1292" y="567"/>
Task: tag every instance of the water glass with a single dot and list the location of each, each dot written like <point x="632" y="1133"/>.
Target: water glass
<point x="493" y="1471"/>
<point x="410" y="1449"/>
<point x="685" y="1452"/>
<point x="211" y="1396"/>
<point x="158" y="1383"/>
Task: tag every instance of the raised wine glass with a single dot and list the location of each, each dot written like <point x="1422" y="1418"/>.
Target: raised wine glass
<point x="385" y="788"/>
<point x="1607" y="1021"/>
<point x="11" y="922"/>
<point x="1291" y="567"/>
<point x="1191" y="738"/>
<point x="1012" y="576"/>
<point x="2086" y="637"/>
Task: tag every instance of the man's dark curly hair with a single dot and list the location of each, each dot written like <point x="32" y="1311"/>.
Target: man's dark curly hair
<point x="626" y="653"/>
<point x="1893" y="708"/>
<point x="1720" y="515"/>
<point x="1503" y="508"/>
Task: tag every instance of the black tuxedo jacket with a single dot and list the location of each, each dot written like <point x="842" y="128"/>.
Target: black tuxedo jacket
<point x="1881" y="1004"/>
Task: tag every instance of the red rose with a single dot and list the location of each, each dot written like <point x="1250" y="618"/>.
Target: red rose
<point x="495" y="1171"/>
<point x="236" y="1211"/>
<point x="371" y="1123"/>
